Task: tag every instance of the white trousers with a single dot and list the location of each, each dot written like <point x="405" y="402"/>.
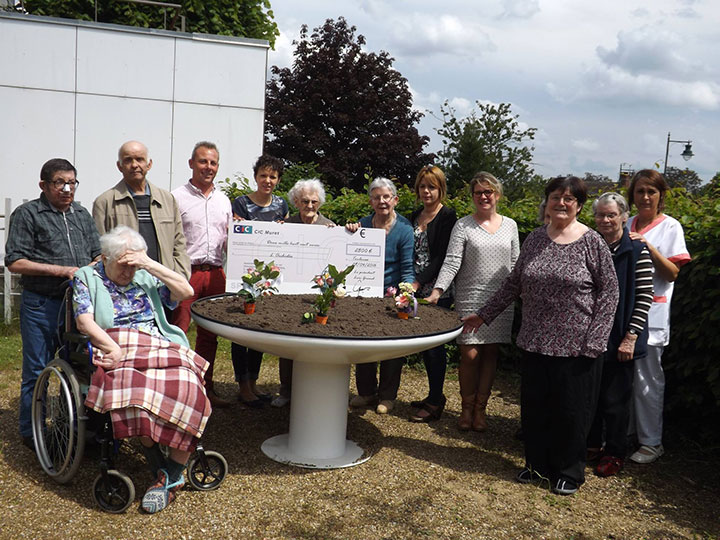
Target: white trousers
<point x="648" y="397"/>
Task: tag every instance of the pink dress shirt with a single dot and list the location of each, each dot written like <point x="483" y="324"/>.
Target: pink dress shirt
<point x="205" y="223"/>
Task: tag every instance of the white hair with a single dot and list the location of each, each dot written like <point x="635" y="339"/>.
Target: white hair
<point x="618" y="199"/>
<point x="312" y="185"/>
<point x="381" y="182"/>
<point x="121" y="239"/>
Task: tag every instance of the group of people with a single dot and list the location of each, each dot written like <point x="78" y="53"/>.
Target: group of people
<point x="595" y="307"/>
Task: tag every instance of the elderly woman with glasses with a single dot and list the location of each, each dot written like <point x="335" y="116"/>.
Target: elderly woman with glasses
<point x="569" y="289"/>
<point x="482" y="251"/>
<point x="307" y="196"/>
<point x="148" y="378"/>
<point x="398" y="269"/>
<point x="628" y="337"/>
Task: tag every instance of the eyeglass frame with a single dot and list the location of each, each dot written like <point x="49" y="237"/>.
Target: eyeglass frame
<point x="60" y="184"/>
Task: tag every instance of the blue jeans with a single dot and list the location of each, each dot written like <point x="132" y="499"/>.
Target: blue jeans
<point x="38" y="327"/>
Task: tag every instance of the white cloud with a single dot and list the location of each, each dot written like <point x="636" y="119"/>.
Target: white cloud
<point x="445" y="35"/>
<point x="621" y="87"/>
<point x="520" y="9"/>
<point x="650" y="50"/>
<point x="585" y="145"/>
<point x="282" y="56"/>
<point x="640" y="12"/>
<point x="687" y="13"/>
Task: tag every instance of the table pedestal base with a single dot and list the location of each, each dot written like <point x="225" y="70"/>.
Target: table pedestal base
<point x="276" y="448"/>
<point x="318" y="420"/>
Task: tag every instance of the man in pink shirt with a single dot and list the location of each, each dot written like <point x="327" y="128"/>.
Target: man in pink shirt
<point x="206" y="213"/>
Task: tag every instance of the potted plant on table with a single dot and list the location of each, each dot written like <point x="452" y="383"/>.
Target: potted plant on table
<point x="258" y="282"/>
<point x="331" y="283"/>
<point x="405" y="301"/>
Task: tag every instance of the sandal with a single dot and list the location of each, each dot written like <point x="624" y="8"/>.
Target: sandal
<point x="428" y="412"/>
<point x="161" y="493"/>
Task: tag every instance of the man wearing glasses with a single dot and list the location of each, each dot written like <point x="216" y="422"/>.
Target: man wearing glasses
<point x="144" y="207"/>
<point x="49" y="238"/>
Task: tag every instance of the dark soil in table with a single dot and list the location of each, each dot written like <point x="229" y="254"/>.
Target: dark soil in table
<point x="351" y="316"/>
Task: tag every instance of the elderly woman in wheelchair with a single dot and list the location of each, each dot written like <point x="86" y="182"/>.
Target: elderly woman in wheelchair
<point x="147" y="377"/>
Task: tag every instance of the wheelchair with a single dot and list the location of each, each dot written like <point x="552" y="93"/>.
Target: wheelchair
<point x="61" y="425"/>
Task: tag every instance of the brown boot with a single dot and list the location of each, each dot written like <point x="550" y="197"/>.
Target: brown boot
<point x="466" y="414"/>
<point x="479" y="421"/>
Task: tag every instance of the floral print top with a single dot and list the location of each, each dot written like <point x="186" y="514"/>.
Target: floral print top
<point x="422" y="260"/>
<point x="131" y="305"/>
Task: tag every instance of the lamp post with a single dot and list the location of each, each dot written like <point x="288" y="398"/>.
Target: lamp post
<point x="686" y="154"/>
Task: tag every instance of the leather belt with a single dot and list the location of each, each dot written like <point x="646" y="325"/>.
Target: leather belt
<point x="204" y="267"/>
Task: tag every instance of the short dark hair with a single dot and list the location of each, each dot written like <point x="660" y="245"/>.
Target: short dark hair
<point x="267" y="161"/>
<point x="54" y="165"/>
<point x="656" y="179"/>
<point x="205" y="144"/>
<point x="576" y="186"/>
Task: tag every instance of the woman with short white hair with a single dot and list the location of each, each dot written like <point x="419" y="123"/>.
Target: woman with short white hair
<point x="307" y="196"/>
<point x="148" y="379"/>
<point x="399" y="259"/>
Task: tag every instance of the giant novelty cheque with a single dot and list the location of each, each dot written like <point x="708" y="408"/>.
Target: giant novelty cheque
<point x="303" y="251"/>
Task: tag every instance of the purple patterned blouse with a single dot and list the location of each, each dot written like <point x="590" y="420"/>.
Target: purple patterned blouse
<point x="569" y="295"/>
<point x="132" y="306"/>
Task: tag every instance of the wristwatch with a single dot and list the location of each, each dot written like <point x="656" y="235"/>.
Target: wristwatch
<point x="632" y="332"/>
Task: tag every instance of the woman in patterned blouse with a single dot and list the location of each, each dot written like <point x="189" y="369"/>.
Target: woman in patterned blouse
<point x="569" y="289"/>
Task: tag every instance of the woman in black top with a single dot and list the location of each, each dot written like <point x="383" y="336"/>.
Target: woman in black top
<point x="432" y="225"/>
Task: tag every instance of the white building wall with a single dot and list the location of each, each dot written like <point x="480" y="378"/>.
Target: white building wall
<point x="79" y="90"/>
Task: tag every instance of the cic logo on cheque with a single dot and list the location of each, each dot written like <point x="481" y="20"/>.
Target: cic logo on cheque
<point x="242" y="229"/>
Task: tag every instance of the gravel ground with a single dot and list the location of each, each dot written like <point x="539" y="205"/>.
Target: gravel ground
<point x="423" y="481"/>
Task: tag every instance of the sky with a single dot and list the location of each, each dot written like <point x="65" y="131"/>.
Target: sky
<point x="603" y="82"/>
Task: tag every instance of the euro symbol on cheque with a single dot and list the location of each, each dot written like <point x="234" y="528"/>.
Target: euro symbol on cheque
<point x="362" y="233"/>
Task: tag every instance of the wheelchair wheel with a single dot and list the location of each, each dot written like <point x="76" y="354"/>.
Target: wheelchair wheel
<point x="58" y="421"/>
<point x="207" y="472"/>
<point x="115" y="495"/>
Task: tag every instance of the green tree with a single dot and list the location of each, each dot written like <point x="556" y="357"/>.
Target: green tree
<point x="489" y="139"/>
<point x="344" y="109"/>
<point x="242" y="18"/>
<point x="597" y="183"/>
<point x="685" y="178"/>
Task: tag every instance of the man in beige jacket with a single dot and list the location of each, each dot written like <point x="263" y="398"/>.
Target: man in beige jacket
<point x="148" y="209"/>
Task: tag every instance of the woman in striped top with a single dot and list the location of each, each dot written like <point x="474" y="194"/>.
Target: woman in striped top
<point x="628" y="337"/>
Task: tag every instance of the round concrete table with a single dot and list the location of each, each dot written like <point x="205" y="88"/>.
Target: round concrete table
<point x="320" y="386"/>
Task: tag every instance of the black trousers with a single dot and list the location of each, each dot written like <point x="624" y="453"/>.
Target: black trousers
<point x="390" y="371"/>
<point x="435" y="361"/>
<point x="558" y="398"/>
<point x="246" y="362"/>
<point x="613" y="408"/>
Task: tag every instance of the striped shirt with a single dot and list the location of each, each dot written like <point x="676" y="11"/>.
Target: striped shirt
<point x="643" y="287"/>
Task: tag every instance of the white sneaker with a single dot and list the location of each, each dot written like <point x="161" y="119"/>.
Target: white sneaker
<point x="279" y="401"/>
<point x="647" y="454"/>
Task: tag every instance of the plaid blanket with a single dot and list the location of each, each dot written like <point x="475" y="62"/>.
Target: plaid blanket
<point x="157" y="390"/>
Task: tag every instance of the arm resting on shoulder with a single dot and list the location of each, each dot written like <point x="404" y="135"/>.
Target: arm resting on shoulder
<point x="31" y="268"/>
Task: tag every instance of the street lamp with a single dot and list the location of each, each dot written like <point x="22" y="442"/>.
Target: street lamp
<point x="686" y="154"/>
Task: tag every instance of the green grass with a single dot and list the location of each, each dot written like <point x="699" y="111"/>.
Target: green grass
<point x="10" y="346"/>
